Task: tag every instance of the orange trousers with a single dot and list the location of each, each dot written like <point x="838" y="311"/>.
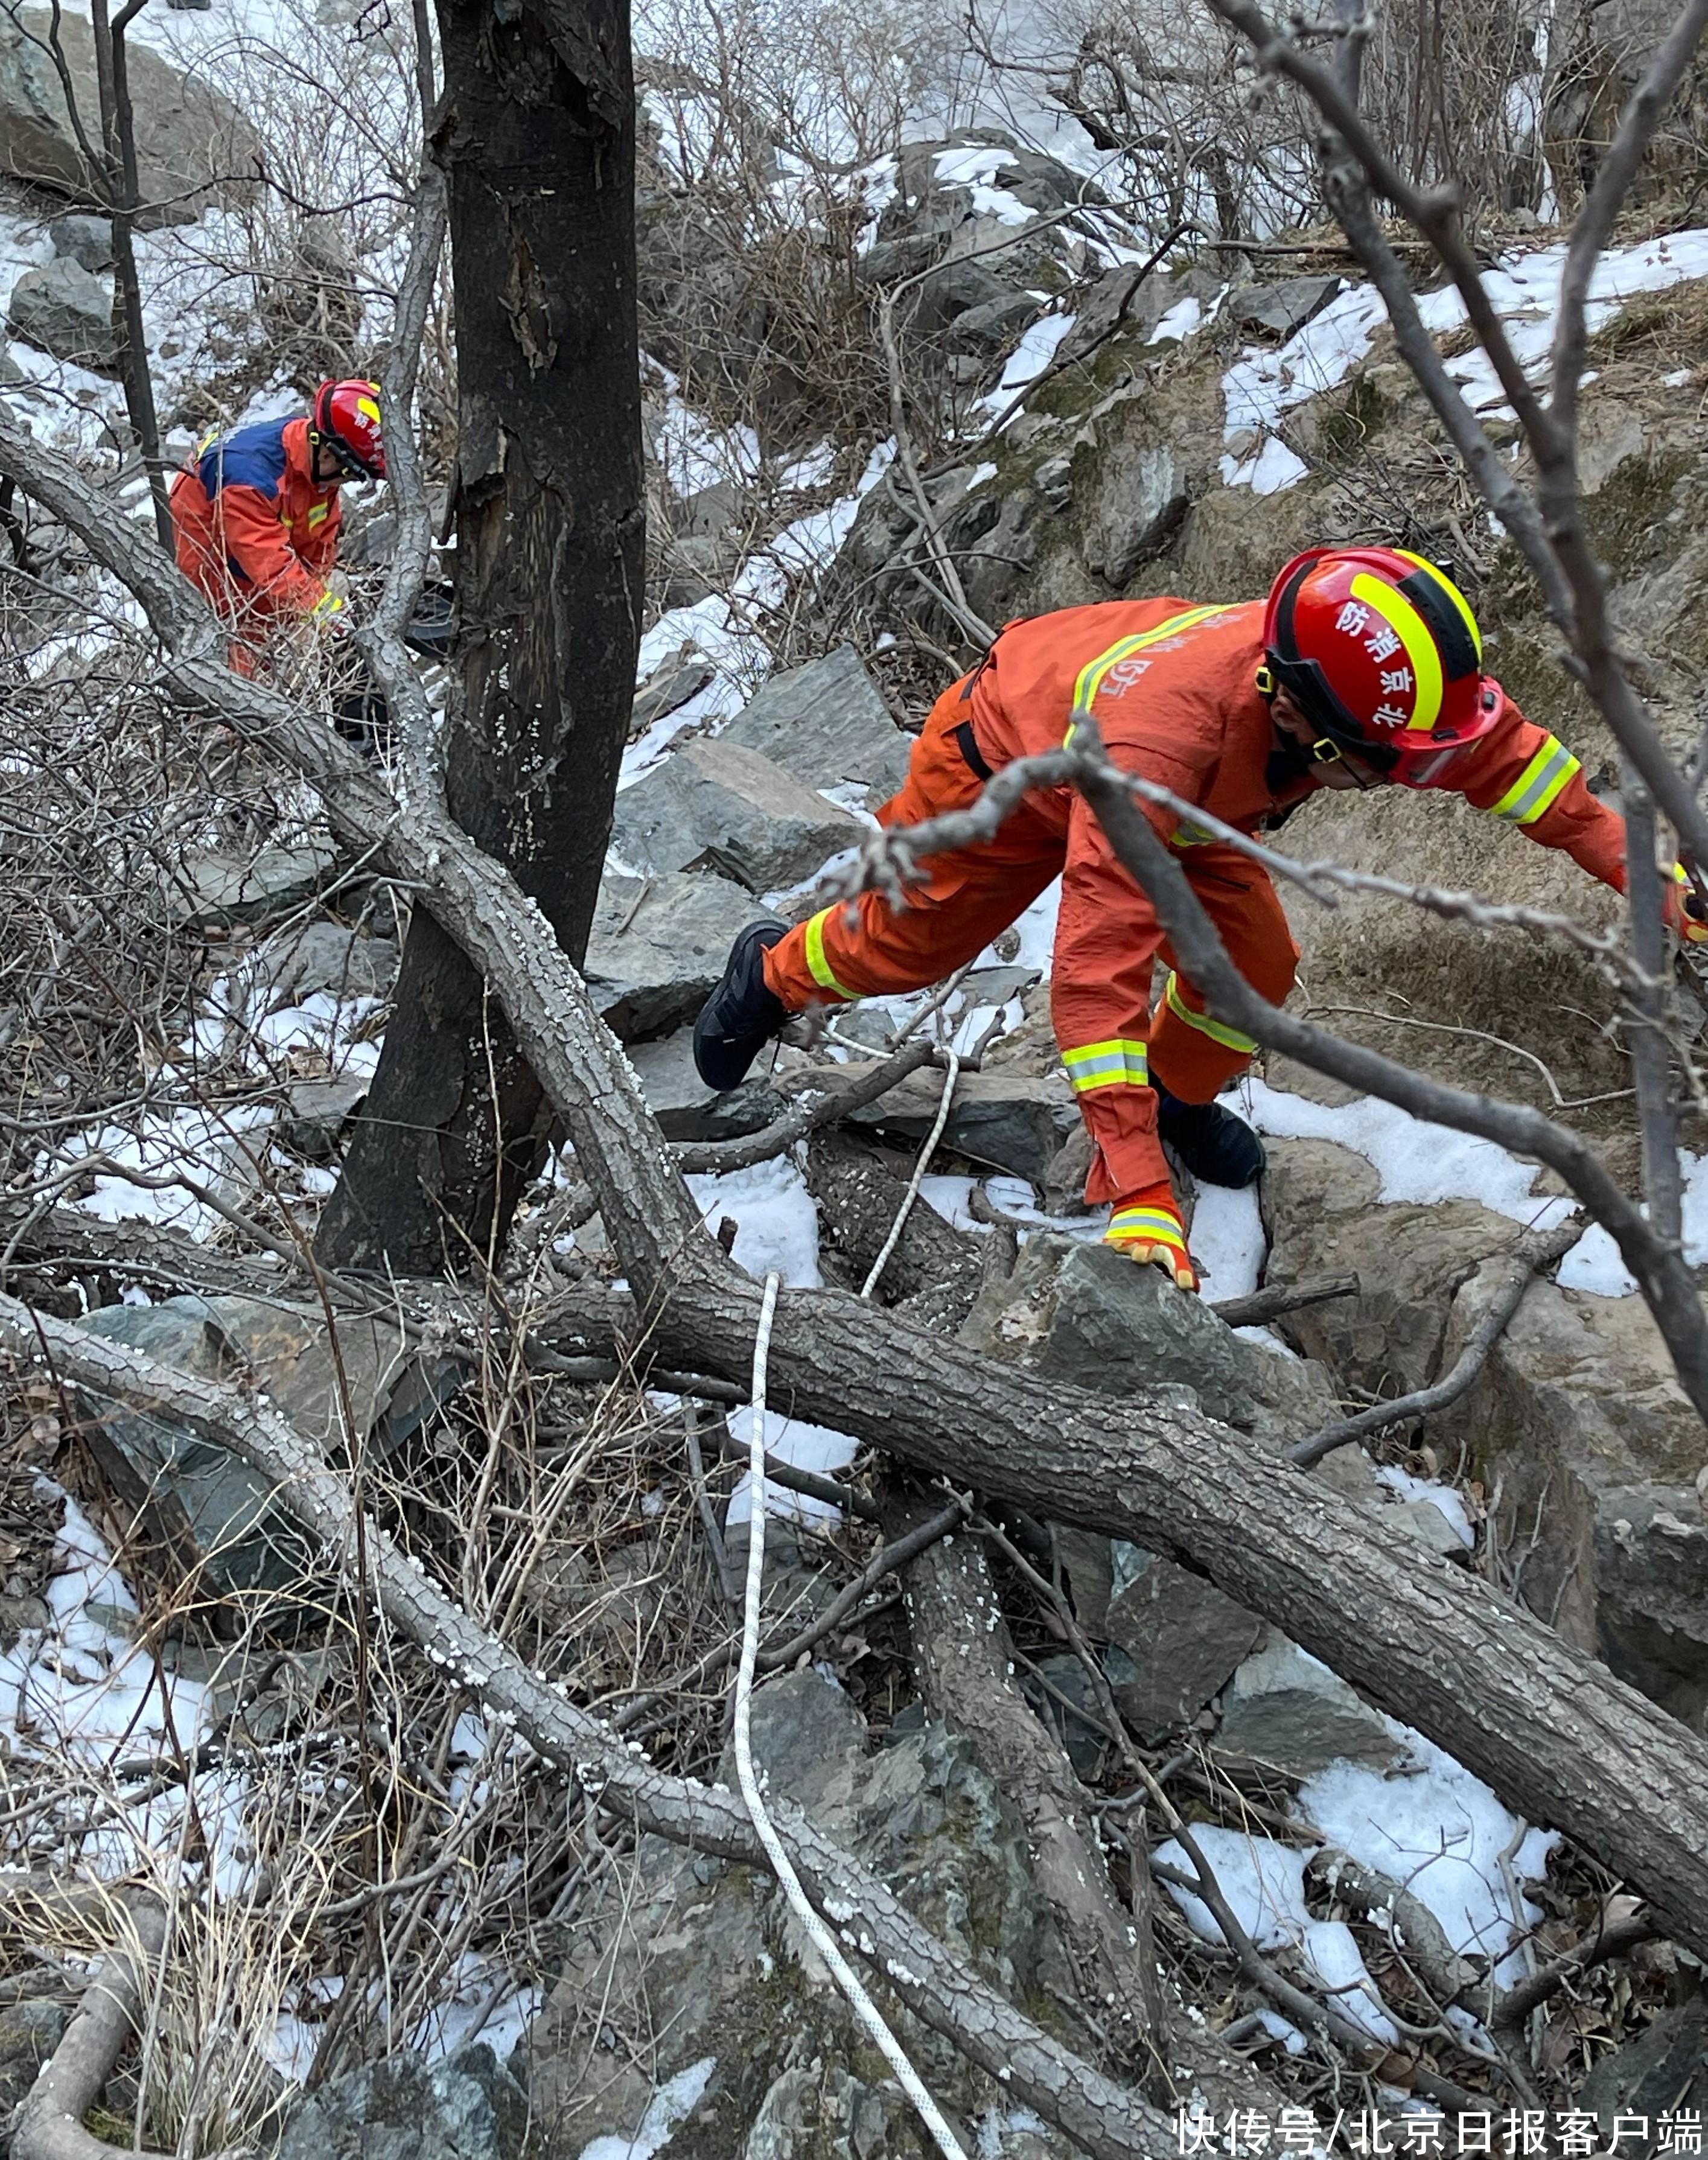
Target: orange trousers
<point x="1106" y="943"/>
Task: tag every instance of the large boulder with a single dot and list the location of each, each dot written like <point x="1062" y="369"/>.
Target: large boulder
<point x="658" y="947"/>
<point x="1084" y="1314"/>
<point x="717" y="805"/>
<point x="65" y="310"/>
<point x="696" y="1969"/>
<point x="193" y="145"/>
<point x="1140" y="500"/>
<point x="220" y="1518"/>
<point x="1006" y="1120"/>
<point x="1285" y="1709"/>
<point x="1324" y="1218"/>
<point x="1578" y="1425"/>
<point x="1182" y="1638"/>
<point x="466" y="2108"/>
<point x="86" y="240"/>
<point x="826" y="723"/>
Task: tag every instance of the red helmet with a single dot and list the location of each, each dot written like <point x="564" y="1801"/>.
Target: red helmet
<point x="346" y="421"/>
<point x="1381" y="650"/>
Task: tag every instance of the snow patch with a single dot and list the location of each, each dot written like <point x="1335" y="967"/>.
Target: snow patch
<point x="670" y="2107"/>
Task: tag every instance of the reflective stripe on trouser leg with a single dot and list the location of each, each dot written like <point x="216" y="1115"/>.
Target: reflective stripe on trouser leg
<point x="1230" y="1038"/>
<point x="1540" y="786"/>
<point x="822" y="971"/>
<point x="1119" y="1062"/>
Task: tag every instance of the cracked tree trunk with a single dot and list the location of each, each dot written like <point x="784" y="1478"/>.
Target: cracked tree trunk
<point x="536" y="135"/>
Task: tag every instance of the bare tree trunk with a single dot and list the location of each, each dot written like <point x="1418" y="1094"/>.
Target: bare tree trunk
<point x="537" y="139"/>
<point x="118" y="134"/>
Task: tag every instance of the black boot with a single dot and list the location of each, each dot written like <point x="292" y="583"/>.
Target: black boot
<point x="1217" y="1147"/>
<point x="741" y="1015"/>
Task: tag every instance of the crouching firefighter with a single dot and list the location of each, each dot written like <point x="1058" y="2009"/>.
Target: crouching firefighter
<point x="1362" y="669"/>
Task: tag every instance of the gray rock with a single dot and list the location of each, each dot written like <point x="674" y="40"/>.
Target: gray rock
<point x="684" y="1107"/>
<point x="1141" y="498"/>
<point x="400" y="2108"/>
<point x="698" y="1958"/>
<point x="986" y="331"/>
<point x="213" y="1511"/>
<point x="1182" y="1637"/>
<point x="807" y="1732"/>
<point x="11" y="374"/>
<point x="1663" y="2068"/>
<point x="216" y="887"/>
<point x="886" y="261"/>
<point x="1284" y="1708"/>
<point x="1005" y="1119"/>
<point x="1424" y="1521"/>
<point x="826" y="723"/>
<point x="717" y="805"/>
<point x="683" y="676"/>
<point x="318" y="1114"/>
<point x="1080" y="1736"/>
<point x="1083" y="1313"/>
<point x="956" y="288"/>
<point x="708" y="511"/>
<point x="64" y="310"/>
<point x="86" y="240"/>
<point x="193" y="145"/>
<point x="30" y="2032"/>
<point x="1090" y="1566"/>
<point x="326" y="956"/>
<point x="1144" y="304"/>
<point x="1054" y="481"/>
<point x="658" y="946"/>
<point x="1283" y="308"/>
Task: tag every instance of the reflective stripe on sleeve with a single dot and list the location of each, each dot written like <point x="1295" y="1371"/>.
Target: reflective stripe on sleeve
<point x="1540" y="784"/>
<point x="328" y="605"/>
<point x="818" y="967"/>
<point x="1230" y="1038"/>
<point x="1117" y="1063"/>
<point x="1148" y="1226"/>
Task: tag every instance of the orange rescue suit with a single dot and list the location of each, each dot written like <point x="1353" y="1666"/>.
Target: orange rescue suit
<point x="1173" y="689"/>
<point x="256" y="533"/>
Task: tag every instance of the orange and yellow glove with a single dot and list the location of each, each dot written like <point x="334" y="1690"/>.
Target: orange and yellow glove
<point x="1146" y="1226"/>
<point x="1686" y="917"/>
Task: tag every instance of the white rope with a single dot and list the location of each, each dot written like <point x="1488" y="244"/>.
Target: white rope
<point x="918" y="1177"/>
<point x="823" y="1941"/>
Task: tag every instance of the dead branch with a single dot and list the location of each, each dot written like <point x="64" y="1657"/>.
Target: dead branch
<point x="809" y="1113"/>
<point x="1539" y="1250"/>
<point x="1264" y="1306"/>
<point x="49" y="2120"/>
<point x="1611" y="1941"/>
<point x="1110" y="2123"/>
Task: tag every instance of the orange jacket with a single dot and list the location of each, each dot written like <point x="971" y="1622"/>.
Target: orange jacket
<point x="1173" y="689"/>
<point x="256" y="533"/>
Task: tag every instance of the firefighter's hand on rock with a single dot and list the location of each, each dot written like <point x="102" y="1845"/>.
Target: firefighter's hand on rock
<point x="1146" y="1226"/>
<point x="1686" y="916"/>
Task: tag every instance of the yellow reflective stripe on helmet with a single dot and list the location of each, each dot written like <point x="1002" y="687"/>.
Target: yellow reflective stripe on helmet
<point x="1229" y="1037"/>
<point x="1540" y="784"/>
<point x="369" y="409"/>
<point x="1415" y="634"/>
<point x="1151" y="1226"/>
<point x="817" y="965"/>
<point x="1117" y="1063"/>
<point x="1435" y="571"/>
<point x="1090" y="679"/>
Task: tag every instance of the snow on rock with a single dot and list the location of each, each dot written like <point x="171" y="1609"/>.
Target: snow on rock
<point x="1028" y="359"/>
<point x="974" y="168"/>
<point x="1444" y="1498"/>
<point x="1417" y="1160"/>
<point x="1035" y="929"/>
<point x="670" y="2107"/>
<point x="1227" y="1241"/>
<point x="1264" y="384"/>
<point x="1440" y="1832"/>
<point x="1273" y="468"/>
<point x="1179" y="321"/>
<point x="212" y="1146"/>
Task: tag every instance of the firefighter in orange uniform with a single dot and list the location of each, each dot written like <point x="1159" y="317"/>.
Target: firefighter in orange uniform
<point x="1363" y="668"/>
<point x="256" y="515"/>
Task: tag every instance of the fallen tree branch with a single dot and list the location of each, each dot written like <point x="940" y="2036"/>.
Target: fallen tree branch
<point x="1264" y="1306"/>
<point x="694" y="1157"/>
<point x="1110" y="2123"/>
<point x="49" y="2120"/>
<point x="1535" y="1253"/>
<point x="1526" y="1995"/>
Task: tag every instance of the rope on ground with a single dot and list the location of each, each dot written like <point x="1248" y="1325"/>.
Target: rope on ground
<point x="918" y="1177"/>
<point x="823" y="1941"/>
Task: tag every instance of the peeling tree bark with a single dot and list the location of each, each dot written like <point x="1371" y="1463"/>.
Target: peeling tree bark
<point x="536" y="135"/>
